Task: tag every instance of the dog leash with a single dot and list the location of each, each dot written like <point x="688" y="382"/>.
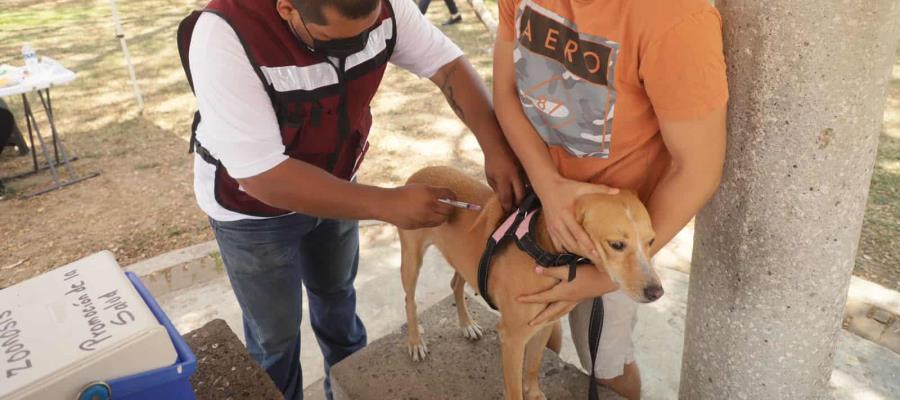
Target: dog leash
<point x="595" y="329"/>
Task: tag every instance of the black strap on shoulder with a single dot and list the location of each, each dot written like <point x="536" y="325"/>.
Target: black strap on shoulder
<point x="185" y="30"/>
<point x="205" y="154"/>
<point x="392" y="43"/>
<point x="183" y="37"/>
<point x="193" y="142"/>
<point x="595" y="329"/>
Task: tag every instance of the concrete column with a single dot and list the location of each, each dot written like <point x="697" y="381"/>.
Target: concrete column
<point x="774" y="250"/>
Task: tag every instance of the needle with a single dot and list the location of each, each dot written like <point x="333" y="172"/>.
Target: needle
<point x="461" y="204"/>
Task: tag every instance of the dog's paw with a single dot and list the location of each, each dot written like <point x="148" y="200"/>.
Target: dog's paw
<point x="417" y="351"/>
<point x="535" y="394"/>
<point x="472" y="331"/>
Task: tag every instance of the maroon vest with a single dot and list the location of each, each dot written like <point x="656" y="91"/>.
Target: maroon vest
<point x="323" y="125"/>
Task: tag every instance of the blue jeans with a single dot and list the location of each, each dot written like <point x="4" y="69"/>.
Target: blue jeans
<point x="266" y="261"/>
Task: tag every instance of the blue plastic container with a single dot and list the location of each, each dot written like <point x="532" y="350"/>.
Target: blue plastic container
<point x="169" y="383"/>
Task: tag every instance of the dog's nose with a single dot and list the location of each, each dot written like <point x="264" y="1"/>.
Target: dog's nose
<point x="653" y="293"/>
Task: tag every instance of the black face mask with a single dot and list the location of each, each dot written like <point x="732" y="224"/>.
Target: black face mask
<point x="338" y="48"/>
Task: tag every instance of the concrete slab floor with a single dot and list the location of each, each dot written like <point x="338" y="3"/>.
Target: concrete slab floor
<point x="863" y="370"/>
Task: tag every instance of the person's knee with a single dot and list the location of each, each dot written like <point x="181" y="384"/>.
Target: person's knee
<point x="276" y="340"/>
<point x="628" y="384"/>
<point x="341" y="290"/>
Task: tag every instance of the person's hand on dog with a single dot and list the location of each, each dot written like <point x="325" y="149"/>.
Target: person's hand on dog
<point x="416" y="206"/>
<point x="589" y="282"/>
<point x="558" y="205"/>
<point x="505" y="176"/>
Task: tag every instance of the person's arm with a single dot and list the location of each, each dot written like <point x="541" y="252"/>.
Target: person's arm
<point x="468" y="97"/>
<point x="424" y="50"/>
<point x="298" y="186"/>
<point x="697" y="147"/>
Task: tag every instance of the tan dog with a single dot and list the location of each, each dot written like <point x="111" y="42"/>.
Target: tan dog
<point x="618" y="225"/>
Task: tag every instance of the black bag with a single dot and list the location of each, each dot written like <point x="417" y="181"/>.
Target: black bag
<point x="10" y="135"/>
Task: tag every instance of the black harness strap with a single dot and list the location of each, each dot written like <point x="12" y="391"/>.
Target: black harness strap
<point x="530" y="203"/>
<point x="527" y="243"/>
<point x="484" y="269"/>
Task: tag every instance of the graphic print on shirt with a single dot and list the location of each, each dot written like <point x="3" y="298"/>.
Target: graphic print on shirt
<point x="565" y="81"/>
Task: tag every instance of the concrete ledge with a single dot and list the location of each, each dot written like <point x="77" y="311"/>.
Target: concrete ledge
<point x="180" y="269"/>
<point x="872" y="293"/>
<point x="455" y="368"/>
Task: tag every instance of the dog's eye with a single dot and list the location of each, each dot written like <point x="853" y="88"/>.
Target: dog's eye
<point x="617" y="246"/>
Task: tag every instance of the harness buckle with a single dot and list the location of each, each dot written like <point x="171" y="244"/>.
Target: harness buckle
<point x="564" y="258"/>
<point x="547" y="260"/>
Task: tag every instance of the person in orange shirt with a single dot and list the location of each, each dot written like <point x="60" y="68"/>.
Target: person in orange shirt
<point x="599" y="95"/>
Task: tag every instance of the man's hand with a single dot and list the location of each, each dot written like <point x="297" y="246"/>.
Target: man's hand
<point x="505" y="175"/>
<point x="558" y="200"/>
<point x="416" y="206"/>
<point x="468" y="97"/>
<point x="589" y="282"/>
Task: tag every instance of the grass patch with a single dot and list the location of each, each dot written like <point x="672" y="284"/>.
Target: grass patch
<point x="40" y="17"/>
<point x="146" y="165"/>
<point x="217" y="259"/>
<point x="176" y="231"/>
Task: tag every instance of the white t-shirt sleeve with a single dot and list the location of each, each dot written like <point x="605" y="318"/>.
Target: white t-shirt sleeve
<point x="238" y="124"/>
<point x="421" y="47"/>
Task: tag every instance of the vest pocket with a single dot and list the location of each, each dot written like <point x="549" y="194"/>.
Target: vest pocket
<point x="318" y="133"/>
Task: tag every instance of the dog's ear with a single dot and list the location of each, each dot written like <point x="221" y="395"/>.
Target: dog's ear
<point x="582" y="209"/>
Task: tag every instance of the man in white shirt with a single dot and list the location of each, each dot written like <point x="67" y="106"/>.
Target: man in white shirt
<point x="283" y="90"/>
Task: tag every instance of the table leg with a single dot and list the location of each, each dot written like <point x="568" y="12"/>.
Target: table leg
<point x="49" y="113"/>
<point x="58" y="148"/>
<point x="48" y="109"/>
<point x="30" y="134"/>
<point x="37" y="132"/>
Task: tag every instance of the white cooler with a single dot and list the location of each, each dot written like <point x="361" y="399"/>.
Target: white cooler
<point x="80" y="323"/>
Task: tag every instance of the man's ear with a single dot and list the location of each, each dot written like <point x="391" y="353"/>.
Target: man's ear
<point x="284" y="8"/>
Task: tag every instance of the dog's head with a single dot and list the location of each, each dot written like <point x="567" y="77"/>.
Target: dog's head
<point x="620" y="228"/>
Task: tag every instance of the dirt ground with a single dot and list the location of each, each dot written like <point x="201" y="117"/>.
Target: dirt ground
<point x="142" y="203"/>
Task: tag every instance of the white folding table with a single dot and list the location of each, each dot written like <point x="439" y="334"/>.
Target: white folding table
<point x="50" y="73"/>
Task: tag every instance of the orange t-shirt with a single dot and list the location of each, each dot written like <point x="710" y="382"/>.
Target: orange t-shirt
<point x="593" y="77"/>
